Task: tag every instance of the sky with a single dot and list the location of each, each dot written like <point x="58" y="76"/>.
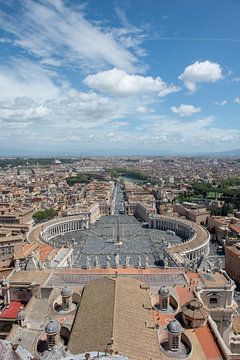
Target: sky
<point x="119" y="77"/>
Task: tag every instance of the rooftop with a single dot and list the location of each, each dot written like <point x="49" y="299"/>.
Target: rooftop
<point x="118" y="320"/>
<point x="217" y="279"/>
<point x="38" y="276"/>
<point x="11" y="311"/>
<point x="194" y="309"/>
<point x="236" y="324"/>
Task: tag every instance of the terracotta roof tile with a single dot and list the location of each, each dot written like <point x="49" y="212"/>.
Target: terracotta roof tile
<point x="111" y="315"/>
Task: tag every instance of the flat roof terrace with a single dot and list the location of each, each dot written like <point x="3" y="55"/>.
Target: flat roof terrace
<point x="154" y="277"/>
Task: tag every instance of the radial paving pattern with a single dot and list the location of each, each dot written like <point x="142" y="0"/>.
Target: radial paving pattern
<point x="118" y="241"/>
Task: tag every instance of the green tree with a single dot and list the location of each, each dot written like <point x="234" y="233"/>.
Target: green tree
<point x="43" y="215"/>
<point x="79" y="179"/>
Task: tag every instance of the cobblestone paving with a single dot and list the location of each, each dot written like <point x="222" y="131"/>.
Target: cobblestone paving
<point x="122" y="236"/>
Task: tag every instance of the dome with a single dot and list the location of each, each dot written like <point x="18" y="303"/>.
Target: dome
<point x="174" y="326"/>
<point x="52" y="327"/>
<point x="163" y="291"/>
<point x="195" y="304"/>
<point x="195" y="310"/>
<point x="66" y="291"/>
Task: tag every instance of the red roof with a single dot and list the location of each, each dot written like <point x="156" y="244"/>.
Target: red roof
<point x="208" y="343"/>
<point x="11" y="311"/>
<point x="235" y="228"/>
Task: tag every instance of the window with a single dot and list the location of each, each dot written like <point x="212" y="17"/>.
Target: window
<point x="213" y="300"/>
<point x="164" y="304"/>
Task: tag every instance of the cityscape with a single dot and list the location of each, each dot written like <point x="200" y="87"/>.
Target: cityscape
<point x="85" y="239"/>
<point x="119" y="180"/>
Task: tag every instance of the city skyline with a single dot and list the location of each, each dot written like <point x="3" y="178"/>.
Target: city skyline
<point x="119" y="77"/>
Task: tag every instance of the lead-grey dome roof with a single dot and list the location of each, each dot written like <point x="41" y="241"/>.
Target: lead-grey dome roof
<point x="174" y="326"/>
<point x="66" y="291"/>
<point x="52" y="327"/>
<point x="164" y="291"/>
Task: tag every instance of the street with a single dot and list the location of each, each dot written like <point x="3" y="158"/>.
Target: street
<point x="119" y="200"/>
<point x="214" y="253"/>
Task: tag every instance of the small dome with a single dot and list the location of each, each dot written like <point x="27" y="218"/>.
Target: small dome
<point x="21" y="315"/>
<point x="52" y="327"/>
<point x="163" y="291"/>
<point x="195" y="304"/>
<point x="66" y="291"/>
<point x="174" y="326"/>
<point x="195" y="310"/>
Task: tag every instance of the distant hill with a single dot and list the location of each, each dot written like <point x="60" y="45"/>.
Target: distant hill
<point x="234" y="153"/>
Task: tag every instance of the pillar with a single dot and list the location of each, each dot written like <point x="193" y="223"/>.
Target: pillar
<point x="6" y="291"/>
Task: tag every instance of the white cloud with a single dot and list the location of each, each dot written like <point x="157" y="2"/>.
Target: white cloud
<point x="82" y="110"/>
<point x="144" y="110"/>
<point x="118" y="82"/>
<point x="33" y="101"/>
<point x="199" y="72"/>
<point x="237" y="100"/>
<point x="221" y="103"/>
<point x="130" y="36"/>
<point x="24" y="78"/>
<point x="120" y="123"/>
<point x="195" y="134"/>
<point x="25" y="114"/>
<point x="60" y="35"/>
<point x="185" y="110"/>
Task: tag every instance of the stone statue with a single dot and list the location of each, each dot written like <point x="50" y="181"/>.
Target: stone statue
<point x="139" y="261"/>
<point x="17" y="265"/>
<point x="88" y="262"/>
<point x="127" y="261"/>
<point x="198" y="286"/>
<point x="205" y="264"/>
<point x="96" y="262"/>
<point x="117" y="260"/>
<point x="108" y="261"/>
<point x="218" y="264"/>
<point x="70" y="260"/>
<point x="146" y="261"/>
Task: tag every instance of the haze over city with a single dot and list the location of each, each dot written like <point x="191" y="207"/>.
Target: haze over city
<point x="119" y="77"/>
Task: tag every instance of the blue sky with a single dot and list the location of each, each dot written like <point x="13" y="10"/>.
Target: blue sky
<point x="119" y="77"/>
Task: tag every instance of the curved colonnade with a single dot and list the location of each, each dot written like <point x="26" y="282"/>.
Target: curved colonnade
<point x="48" y="231"/>
<point x="64" y="225"/>
<point x="195" y="237"/>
